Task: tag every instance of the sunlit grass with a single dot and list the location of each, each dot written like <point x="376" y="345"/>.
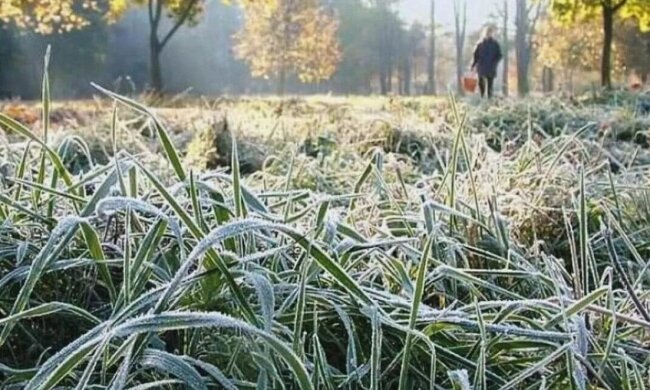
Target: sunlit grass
<point x="353" y="268"/>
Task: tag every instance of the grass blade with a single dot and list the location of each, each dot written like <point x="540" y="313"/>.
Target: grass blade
<point x="417" y="298"/>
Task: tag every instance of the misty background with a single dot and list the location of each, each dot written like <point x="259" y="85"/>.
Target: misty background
<point x="200" y="59"/>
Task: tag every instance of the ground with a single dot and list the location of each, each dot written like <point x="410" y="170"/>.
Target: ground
<point x="509" y="236"/>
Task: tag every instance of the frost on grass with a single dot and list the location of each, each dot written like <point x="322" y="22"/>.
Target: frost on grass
<point x="496" y="244"/>
<point x="112" y="205"/>
<point x="460" y="379"/>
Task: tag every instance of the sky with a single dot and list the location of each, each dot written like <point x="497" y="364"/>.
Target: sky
<point x="478" y="11"/>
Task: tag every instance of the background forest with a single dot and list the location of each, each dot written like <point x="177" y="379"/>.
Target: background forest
<point x="377" y="48"/>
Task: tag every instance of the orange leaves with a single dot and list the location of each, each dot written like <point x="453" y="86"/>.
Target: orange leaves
<point x="21" y="113"/>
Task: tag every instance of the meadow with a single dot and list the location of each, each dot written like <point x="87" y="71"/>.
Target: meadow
<point x="325" y="242"/>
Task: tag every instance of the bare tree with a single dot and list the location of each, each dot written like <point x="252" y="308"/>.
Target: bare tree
<point x="460" y="19"/>
<point x="388" y="46"/>
<point x="526" y="17"/>
<point x="506" y="46"/>
<point x="431" y="61"/>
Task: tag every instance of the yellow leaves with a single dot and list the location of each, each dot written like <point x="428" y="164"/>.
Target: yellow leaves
<point x="579" y="48"/>
<point x="638" y="10"/>
<point x="289" y="36"/>
<point x="568" y="11"/>
<point x="318" y="46"/>
<point x="58" y="16"/>
<point x="116" y="8"/>
<point x="46" y="16"/>
<point x="173" y="8"/>
<point x="269" y="4"/>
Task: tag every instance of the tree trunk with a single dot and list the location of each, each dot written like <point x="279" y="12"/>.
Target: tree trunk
<point x="382" y="81"/>
<point x="282" y="81"/>
<point x="155" y="68"/>
<point x="155" y="47"/>
<point x="461" y="25"/>
<point x="413" y="77"/>
<point x="407" y="77"/>
<point x="431" y="61"/>
<point x="459" y="74"/>
<point x="521" y="47"/>
<point x="505" y="83"/>
<point x="608" y="37"/>
<point x="400" y="80"/>
<point x="547" y="79"/>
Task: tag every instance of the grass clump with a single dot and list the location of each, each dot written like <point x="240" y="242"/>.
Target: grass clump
<point x="331" y="270"/>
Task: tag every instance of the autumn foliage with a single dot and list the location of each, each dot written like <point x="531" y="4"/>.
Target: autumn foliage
<point x="47" y="16"/>
<point x="607" y="11"/>
<point x="289" y="37"/>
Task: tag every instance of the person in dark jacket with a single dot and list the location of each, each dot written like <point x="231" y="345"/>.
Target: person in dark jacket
<point x="487" y="55"/>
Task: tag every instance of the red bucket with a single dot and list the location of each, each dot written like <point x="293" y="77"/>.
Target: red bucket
<point x="469" y="83"/>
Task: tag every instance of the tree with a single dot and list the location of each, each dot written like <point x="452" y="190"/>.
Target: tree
<point x="431" y="60"/>
<point x="356" y="36"/>
<point x="572" y="10"/>
<point x="634" y="49"/>
<point x="180" y="11"/>
<point x="548" y="79"/>
<point x="372" y="39"/>
<point x="47" y="16"/>
<point x="526" y="16"/>
<point x="389" y="28"/>
<point x="290" y="37"/>
<point x="413" y="47"/>
<point x="506" y="48"/>
<point x="460" y="24"/>
<point x="74" y="28"/>
<point x="577" y="51"/>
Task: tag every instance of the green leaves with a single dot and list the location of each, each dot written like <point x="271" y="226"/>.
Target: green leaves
<point x="58" y="240"/>
<point x="168" y="146"/>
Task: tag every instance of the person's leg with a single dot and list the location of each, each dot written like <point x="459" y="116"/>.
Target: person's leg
<point x="490" y="86"/>
<point x="481" y="85"/>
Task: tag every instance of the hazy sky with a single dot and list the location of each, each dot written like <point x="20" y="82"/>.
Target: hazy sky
<point x="478" y="11"/>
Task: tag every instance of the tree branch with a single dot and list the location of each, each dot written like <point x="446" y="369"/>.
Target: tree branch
<point x="155" y="22"/>
<point x="159" y="6"/>
<point x="150" y="6"/>
<point x="533" y="25"/>
<point x="619" y="5"/>
<point x="186" y="14"/>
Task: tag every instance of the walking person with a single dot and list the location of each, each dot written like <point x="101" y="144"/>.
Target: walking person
<point x="487" y="55"/>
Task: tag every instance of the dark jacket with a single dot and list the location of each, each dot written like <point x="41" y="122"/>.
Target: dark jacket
<point x="487" y="55"/>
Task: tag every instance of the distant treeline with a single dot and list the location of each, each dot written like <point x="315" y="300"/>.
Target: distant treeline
<point x="377" y="52"/>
